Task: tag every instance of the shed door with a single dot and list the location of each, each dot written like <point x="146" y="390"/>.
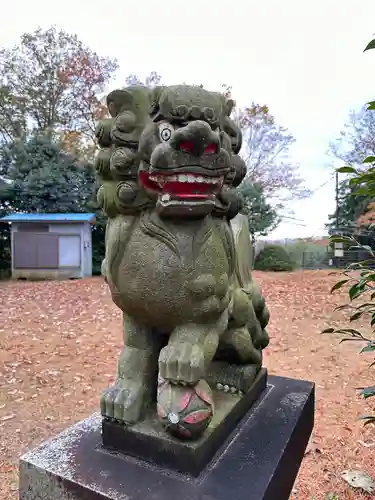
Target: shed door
<point x="47" y="251"/>
<point x="69" y="251"/>
<point x="35" y="250"/>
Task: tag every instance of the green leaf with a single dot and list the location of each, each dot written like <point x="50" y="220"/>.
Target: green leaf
<point x="342" y="307"/>
<point x="354" y="339"/>
<point x="369" y="249"/>
<point x="369" y="159"/>
<point x="350" y="330"/>
<point x="356" y="290"/>
<point x="368" y="392"/>
<point x="364" y="263"/>
<point x="347" y="170"/>
<point x="362" y="191"/>
<point x="370" y="45"/>
<point x="370" y="347"/>
<point x="363" y="247"/>
<point x="354" y="181"/>
<point x="328" y="330"/>
<point x="355" y="247"/>
<point x="368" y="419"/>
<point x="356" y="316"/>
<point x="366" y="304"/>
<point x="354" y="333"/>
<point x="341" y="239"/>
<point x="339" y="285"/>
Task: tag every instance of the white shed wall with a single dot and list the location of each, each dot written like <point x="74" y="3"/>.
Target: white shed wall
<point x="83" y="230"/>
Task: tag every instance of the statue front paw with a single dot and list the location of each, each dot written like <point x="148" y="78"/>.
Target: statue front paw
<point x="124" y="402"/>
<point x="182" y="362"/>
<point x="236" y="346"/>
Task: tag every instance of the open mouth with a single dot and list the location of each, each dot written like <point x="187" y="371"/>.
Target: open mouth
<point x="185" y="185"/>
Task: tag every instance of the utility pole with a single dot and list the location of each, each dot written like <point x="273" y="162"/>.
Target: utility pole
<point x="337" y="201"/>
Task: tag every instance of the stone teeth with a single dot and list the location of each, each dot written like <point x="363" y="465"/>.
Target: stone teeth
<point x="162" y="180"/>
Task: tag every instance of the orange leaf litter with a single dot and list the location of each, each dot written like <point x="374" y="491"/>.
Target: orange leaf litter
<point x="59" y="343"/>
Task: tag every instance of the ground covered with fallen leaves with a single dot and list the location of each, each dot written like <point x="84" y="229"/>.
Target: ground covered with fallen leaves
<point x="59" y="343"/>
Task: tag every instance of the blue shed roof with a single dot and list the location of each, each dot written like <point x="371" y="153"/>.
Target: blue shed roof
<point x="39" y="217"/>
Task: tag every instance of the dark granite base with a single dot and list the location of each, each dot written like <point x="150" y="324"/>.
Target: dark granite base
<point x="259" y="461"/>
<point x="149" y="441"/>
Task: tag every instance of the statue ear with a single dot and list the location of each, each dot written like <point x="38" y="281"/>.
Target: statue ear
<point x="229" y="105"/>
<point x="154" y="99"/>
<point x="117" y="99"/>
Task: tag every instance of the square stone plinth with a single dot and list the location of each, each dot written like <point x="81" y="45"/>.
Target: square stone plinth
<point x="258" y="461"/>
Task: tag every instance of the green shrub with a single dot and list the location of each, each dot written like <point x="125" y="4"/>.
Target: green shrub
<point x="307" y="253"/>
<point x="274" y="258"/>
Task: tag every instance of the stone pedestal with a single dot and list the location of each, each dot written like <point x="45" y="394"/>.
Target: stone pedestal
<point x="148" y="440"/>
<point x="259" y="460"/>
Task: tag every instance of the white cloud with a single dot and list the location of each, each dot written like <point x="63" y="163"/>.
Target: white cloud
<point x="304" y="59"/>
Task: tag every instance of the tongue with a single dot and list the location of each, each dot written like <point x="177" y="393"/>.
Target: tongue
<point x="186" y="188"/>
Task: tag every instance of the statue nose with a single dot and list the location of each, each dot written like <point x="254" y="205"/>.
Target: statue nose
<point x="196" y="138"/>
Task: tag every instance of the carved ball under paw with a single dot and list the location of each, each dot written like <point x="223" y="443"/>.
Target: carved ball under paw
<point x="185" y="411"/>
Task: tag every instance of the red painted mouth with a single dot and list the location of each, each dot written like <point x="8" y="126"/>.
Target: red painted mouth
<point x="182" y="185"/>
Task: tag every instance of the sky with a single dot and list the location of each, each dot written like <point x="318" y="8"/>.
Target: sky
<point x="303" y="59"/>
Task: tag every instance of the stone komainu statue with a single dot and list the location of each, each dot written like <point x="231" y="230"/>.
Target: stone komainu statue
<point x="193" y="318"/>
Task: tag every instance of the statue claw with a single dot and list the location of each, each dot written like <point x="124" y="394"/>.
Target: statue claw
<point x="182" y="362"/>
<point x="123" y="402"/>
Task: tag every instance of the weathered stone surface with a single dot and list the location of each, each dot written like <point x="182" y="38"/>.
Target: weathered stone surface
<point x="259" y="461"/>
<point x="168" y="166"/>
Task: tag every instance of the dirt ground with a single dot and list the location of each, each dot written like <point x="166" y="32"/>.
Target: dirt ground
<point x="59" y="343"/>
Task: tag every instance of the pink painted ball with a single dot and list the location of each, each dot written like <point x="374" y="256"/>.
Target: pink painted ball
<point x="185" y="411"/>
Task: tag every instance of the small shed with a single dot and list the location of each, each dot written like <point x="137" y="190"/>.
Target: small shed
<point x="51" y="246"/>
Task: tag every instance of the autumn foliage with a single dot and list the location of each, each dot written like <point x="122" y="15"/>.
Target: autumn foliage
<point x="52" y="81"/>
<point x="368" y="218"/>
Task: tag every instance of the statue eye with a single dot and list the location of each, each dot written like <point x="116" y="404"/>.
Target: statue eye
<point x="165" y="131"/>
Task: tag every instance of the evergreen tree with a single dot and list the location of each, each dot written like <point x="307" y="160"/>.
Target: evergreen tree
<point x="262" y="216"/>
<point x="41" y="177"/>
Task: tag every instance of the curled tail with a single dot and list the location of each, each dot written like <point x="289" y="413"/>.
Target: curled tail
<point x="244" y="260"/>
<point x="244" y="251"/>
